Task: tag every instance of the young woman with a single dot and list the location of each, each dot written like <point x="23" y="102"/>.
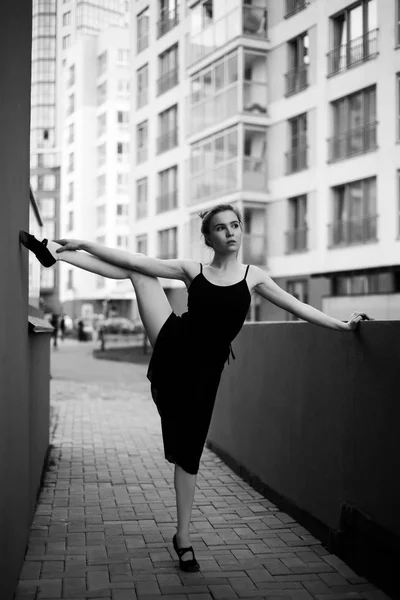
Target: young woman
<point x="189" y="351"/>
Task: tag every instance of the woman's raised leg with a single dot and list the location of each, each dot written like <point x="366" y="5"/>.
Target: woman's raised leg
<point x="86" y="261"/>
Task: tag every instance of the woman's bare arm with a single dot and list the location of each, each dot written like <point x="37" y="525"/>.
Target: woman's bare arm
<point x="181" y="269"/>
<point x="268" y="289"/>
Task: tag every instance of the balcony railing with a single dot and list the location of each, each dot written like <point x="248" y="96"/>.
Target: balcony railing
<point x="254" y="249"/>
<point x="294" y="6"/>
<point x="168" y="81"/>
<point x="296" y="80"/>
<point x="353" y="142"/>
<point x="353" y="231"/>
<point x="296" y="160"/>
<point x="167" y="201"/>
<point x="353" y="53"/>
<point x="296" y="240"/>
<point x="167" y="22"/>
<point x="167" y="140"/>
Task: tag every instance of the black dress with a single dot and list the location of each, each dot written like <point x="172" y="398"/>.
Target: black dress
<point x="187" y="362"/>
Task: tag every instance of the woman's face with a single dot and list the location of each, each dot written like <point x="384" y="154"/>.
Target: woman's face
<point x="225" y="233"/>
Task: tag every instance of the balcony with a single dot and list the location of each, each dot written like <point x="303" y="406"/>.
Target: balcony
<point x="294" y="6"/>
<point x="296" y="80"/>
<point x="254" y="249"/>
<point x="167" y="22"/>
<point x="353" y="231"/>
<point x="167" y="140"/>
<point x="227" y="28"/>
<point x="214" y="109"/>
<point x="353" y="53"/>
<point x="296" y="160"/>
<point x="296" y="240"/>
<point x="255" y="98"/>
<point x="167" y="201"/>
<point x="353" y="142"/>
<point x="167" y="81"/>
<point x="254" y="174"/>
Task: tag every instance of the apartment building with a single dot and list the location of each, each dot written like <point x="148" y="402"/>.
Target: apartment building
<point x="95" y="170"/>
<point x="290" y="111"/>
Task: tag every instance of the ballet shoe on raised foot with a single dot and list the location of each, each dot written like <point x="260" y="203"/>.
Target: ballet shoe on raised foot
<point x="39" y="249"/>
<point x="186" y="565"/>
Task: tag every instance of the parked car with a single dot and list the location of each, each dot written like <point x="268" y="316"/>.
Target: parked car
<point x="121" y="325"/>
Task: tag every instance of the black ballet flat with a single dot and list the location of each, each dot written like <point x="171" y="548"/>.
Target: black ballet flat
<point x="186" y="565"/>
<point x="39" y="249"/>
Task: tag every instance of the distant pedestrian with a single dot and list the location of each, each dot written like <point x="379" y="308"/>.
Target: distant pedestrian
<point x="54" y="324"/>
<point x="62" y="327"/>
<point x="81" y="332"/>
<point x="190" y="351"/>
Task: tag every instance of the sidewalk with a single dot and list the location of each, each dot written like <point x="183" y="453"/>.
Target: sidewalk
<point x="105" y="519"/>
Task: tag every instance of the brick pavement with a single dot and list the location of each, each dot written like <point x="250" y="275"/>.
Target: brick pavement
<point x="105" y="519"/>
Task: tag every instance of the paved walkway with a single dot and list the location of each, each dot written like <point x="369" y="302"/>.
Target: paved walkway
<point x="106" y="515"/>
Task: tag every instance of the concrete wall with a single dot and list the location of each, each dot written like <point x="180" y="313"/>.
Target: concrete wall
<point x="313" y="414"/>
<point x="23" y="400"/>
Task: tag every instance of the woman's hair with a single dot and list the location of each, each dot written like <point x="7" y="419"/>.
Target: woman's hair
<point x="207" y="215"/>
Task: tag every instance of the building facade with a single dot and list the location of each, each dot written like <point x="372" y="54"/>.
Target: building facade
<point x="290" y="111"/>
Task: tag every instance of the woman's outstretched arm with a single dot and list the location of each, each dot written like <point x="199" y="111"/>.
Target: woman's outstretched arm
<point x="268" y="289"/>
<point x="156" y="267"/>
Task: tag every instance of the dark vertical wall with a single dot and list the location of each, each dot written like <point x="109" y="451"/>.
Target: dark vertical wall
<point x="15" y="75"/>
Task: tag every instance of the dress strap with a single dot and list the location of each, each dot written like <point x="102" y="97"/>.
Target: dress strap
<point x="246" y="271"/>
<point x="201" y="267"/>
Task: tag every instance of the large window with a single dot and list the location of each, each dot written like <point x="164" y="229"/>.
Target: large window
<point x="101" y="215"/>
<point x="299" y="59"/>
<point x="293" y="6"/>
<point x="167" y="243"/>
<point x="299" y="289"/>
<point x="296" y="234"/>
<point x="141" y="198"/>
<point x="141" y="142"/>
<point x="101" y="154"/>
<point x="101" y="93"/>
<point x="398" y="22"/>
<point x="102" y="63"/>
<point x="122" y="151"/>
<point x="168" y="129"/>
<point x="168" y="70"/>
<point x="101" y="124"/>
<point x="354" y="213"/>
<point x="354" y="34"/>
<point x="167" y="198"/>
<point x="142" y="78"/>
<point x="169" y="16"/>
<point x="297" y="156"/>
<point x="398" y="106"/>
<point x="141" y="243"/>
<point x="354" y="124"/>
<point x="142" y="34"/>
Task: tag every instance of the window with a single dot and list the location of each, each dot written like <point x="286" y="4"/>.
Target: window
<point x="101" y="124"/>
<point x="102" y="63"/>
<point x="299" y="59"/>
<point x="168" y="69"/>
<point x="142" y="33"/>
<point x="122" y="210"/>
<point x="71" y="76"/>
<point x="67" y="18"/>
<point x="168" y="189"/>
<point x="122" y="119"/>
<point x="101" y="93"/>
<point x="354" y="213"/>
<point x="71" y="162"/>
<point x="66" y="42"/>
<point x="354" y="36"/>
<point x="123" y="87"/>
<point x="71" y="104"/>
<point x="398" y="22"/>
<point x="297" y="156"/>
<point x="169" y="16"/>
<point x="122" y="182"/>
<point x="71" y="133"/>
<point x="398" y="105"/>
<point x="354" y="124"/>
<point x="398" y="198"/>
<point x="70" y="196"/>
<point x="299" y="289"/>
<point x="101" y="184"/>
<point x="101" y="154"/>
<point x="47" y="209"/>
<point x="379" y="282"/>
<point x="296" y="235"/>
<point x="168" y="128"/>
<point x="167" y="243"/>
<point x="141" y="142"/>
<point x="123" y="56"/>
<point x="122" y="240"/>
<point x="141" y="244"/>
<point x="141" y="198"/>
<point x="101" y="215"/>
<point x="47" y="182"/>
<point x="70" y="280"/>
<point x="293" y="6"/>
<point x="122" y="151"/>
<point x="70" y="224"/>
<point x="142" y="78"/>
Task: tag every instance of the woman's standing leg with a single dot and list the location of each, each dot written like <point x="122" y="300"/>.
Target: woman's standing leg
<point x="185" y="485"/>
